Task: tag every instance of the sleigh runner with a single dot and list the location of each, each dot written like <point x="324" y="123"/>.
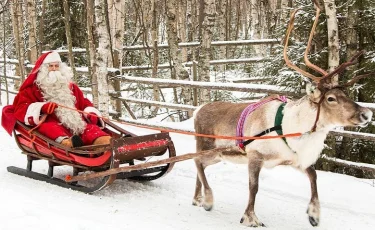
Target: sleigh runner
<point x="126" y="149"/>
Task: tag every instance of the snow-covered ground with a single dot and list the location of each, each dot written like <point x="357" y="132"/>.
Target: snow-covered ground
<point x="346" y="202"/>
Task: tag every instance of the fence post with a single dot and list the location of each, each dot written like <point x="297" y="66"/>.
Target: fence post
<point x="116" y="84"/>
<point x="195" y="78"/>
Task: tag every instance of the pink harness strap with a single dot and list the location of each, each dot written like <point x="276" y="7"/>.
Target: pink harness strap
<point x="249" y="109"/>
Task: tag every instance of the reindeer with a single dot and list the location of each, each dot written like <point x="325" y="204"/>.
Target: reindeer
<point x="324" y="107"/>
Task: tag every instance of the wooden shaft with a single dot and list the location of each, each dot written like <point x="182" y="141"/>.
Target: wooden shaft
<point x="149" y="164"/>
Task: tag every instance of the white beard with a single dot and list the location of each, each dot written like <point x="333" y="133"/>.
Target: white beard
<point x="55" y="88"/>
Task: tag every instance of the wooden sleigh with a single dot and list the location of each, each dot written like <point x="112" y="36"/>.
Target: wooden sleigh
<point x="126" y="150"/>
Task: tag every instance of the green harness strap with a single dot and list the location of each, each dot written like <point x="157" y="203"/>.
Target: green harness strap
<point x="279" y="120"/>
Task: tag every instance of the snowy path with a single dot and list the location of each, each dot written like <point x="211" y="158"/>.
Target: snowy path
<point x="346" y="202"/>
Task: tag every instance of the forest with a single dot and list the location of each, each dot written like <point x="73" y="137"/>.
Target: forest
<point x="99" y="35"/>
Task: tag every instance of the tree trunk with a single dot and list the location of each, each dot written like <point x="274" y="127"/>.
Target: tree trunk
<point x="33" y="53"/>
<point x="17" y="25"/>
<point x="208" y="18"/>
<point x="182" y="12"/>
<point x="284" y="16"/>
<point x="5" y="57"/>
<point x="221" y="26"/>
<point x="255" y="24"/>
<point x="155" y="51"/>
<point x="103" y="56"/>
<point x="175" y="52"/>
<point x="351" y="31"/>
<point x="333" y="35"/>
<point x="41" y="27"/>
<point x="117" y="24"/>
<point x="69" y="38"/>
<point x="92" y="51"/>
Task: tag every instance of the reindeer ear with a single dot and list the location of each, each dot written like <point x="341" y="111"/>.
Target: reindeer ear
<point x="313" y="92"/>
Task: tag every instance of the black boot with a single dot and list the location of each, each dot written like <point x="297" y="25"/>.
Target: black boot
<point x="76" y="141"/>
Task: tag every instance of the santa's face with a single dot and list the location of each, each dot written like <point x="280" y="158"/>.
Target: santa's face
<point x="53" y="66"/>
<point x="54" y="75"/>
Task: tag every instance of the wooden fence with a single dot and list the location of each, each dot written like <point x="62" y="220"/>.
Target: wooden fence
<point x="239" y="86"/>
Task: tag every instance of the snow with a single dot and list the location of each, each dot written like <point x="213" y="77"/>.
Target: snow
<point x="165" y="203"/>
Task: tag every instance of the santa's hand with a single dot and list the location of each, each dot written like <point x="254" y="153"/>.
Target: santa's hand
<point x="49" y="107"/>
<point x="92" y="118"/>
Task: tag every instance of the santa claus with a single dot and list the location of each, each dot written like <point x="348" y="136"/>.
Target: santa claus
<point x="49" y="90"/>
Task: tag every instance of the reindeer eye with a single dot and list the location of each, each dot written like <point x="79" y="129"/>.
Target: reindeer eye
<point x="331" y="99"/>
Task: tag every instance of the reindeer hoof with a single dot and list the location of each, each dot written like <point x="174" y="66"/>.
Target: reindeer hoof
<point x="254" y="223"/>
<point x="197" y="201"/>
<point x="313" y="211"/>
<point x="207" y="207"/>
<point x="314" y="221"/>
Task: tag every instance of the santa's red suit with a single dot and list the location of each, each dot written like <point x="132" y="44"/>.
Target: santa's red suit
<point x="27" y="108"/>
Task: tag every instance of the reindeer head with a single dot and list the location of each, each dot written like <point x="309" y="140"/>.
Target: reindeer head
<point x="334" y="107"/>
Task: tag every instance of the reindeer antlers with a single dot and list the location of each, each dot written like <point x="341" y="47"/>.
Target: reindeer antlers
<point x="323" y="82"/>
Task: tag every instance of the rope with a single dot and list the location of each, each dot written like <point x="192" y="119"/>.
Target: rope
<point x="191" y="133"/>
<point x="44" y="117"/>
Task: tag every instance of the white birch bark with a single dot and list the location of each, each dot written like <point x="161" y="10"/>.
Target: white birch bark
<point x="16" y="11"/>
<point x="117" y="27"/>
<point x="333" y="34"/>
<point x="205" y="47"/>
<point x="182" y="12"/>
<point x="284" y="11"/>
<point x="103" y="56"/>
<point x="69" y="38"/>
<point x="351" y="32"/>
<point x="155" y="59"/>
<point x="147" y="19"/>
<point x="41" y="26"/>
<point x="92" y="51"/>
<point x="33" y="54"/>
<point x="175" y="51"/>
<point x="221" y="26"/>
<point x="255" y="24"/>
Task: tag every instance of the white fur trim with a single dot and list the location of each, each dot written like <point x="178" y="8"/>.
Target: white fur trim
<point x="34" y="111"/>
<point x="52" y="57"/>
<point x="90" y="109"/>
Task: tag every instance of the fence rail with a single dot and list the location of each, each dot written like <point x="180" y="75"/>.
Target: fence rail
<point x="254" y="88"/>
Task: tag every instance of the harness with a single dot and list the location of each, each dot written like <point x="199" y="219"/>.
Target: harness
<point x="251" y="108"/>
<point x="278" y="119"/>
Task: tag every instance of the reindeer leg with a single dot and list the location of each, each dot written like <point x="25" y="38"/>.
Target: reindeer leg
<point x="249" y="218"/>
<point x="314" y="206"/>
<point x="208" y="200"/>
<point x="197" y="200"/>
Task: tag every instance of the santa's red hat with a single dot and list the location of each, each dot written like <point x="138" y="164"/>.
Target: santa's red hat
<point x="49" y="57"/>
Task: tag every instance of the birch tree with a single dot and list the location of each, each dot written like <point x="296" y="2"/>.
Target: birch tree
<point x="103" y="56"/>
<point x="33" y="53"/>
<point x="69" y="38"/>
<point x="256" y="24"/>
<point x="41" y="27"/>
<point x="182" y="26"/>
<point x="117" y="25"/>
<point x="3" y="13"/>
<point x="333" y="34"/>
<point x="207" y="18"/>
<point x="175" y="51"/>
<point x="155" y="5"/>
<point x="221" y="27"/>
<point x="16" y="11"/>
<point x="351" y="32"/>
<point x="92" y="50"/>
